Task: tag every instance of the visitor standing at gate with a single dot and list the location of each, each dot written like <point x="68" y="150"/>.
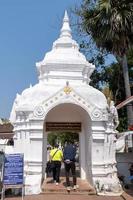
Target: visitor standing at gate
<point x="69" y="154"/>
<point x="56" y="156"/>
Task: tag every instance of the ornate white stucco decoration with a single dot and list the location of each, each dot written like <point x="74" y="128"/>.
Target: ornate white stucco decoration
<point x="39" y="111"/>
<point x="64" y="63"/>
<point x="65" y="60"/>
<point x="68" y="95"/>
<point x="113" y="120"/>
<point x="97" y="114"/>
<point x="67" y="89"/>
<point x="64" y="76"/>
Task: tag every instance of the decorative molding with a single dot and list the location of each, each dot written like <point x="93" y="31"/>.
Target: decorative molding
<point x="96" y="114"/>
<point x="39" y="111"/>
<point x="68" y="95"/>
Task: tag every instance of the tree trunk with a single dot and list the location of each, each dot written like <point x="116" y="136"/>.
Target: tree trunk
<point x="127" y="89"/>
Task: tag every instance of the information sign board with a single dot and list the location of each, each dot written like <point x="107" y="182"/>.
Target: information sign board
<point x="13" y="169"/>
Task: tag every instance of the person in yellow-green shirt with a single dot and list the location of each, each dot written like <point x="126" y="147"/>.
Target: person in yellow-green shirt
<point x="56" y="156"/>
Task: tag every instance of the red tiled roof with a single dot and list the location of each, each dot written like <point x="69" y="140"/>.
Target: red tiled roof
<point x="6" y="131"/>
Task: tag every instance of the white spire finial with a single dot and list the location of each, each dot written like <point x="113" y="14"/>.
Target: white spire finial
<point x="66" y="18"/>
<point x="66" y="30"/>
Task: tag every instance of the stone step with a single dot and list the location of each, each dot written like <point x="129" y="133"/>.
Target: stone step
<point x="48" y="187"/>
<point x="66" y="193"/>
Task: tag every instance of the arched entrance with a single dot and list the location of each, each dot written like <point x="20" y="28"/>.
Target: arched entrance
<point x="63" y="94"/>
<point x="68" y="113"/>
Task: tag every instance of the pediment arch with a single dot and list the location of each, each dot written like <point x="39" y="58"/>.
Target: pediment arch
<point x="72" y="97"/>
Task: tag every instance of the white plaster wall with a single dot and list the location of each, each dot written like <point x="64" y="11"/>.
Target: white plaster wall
<point x="98" y="134"/>
<point x="36" y="149"/>
<point x="86" y="142"/>
<point x="28" y="140"/>
<point x="103" y="153"/>
<point x="44" y="153"/>
<point x="95" y="142"/>
<point x="98" y="151"/>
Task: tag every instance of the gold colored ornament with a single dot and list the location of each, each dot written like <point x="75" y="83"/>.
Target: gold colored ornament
<point x="67" y="90"/>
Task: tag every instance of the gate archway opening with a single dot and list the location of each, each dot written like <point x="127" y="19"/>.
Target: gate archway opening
<point x="70" y="118"/>
<point x="61" y="138"/>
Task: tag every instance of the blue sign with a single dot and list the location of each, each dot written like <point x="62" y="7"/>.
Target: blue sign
<point x="13" y="169"/>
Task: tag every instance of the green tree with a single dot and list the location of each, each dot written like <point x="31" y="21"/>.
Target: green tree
<point x="61" y="137"/>
<point x="110" y="24"/>
<point x="113" y="87"/>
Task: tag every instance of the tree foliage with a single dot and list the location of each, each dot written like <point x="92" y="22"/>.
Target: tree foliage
<point x="110" y="24"/>
<point x="61" y="137"/>
<point x="112" y="77"/>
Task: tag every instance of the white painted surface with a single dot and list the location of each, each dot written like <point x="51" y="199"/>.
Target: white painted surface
<point x="63" y="93"/>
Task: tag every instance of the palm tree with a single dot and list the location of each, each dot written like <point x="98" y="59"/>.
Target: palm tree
<point x="110" y="24"/>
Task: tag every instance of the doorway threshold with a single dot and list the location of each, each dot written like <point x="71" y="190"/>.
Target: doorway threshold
<point x="48" y="187"/>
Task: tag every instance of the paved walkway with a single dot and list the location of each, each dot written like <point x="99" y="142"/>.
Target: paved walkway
<point x="49" y="187"/>
<point x="85" y="192"/>
<point x="53" y="192"/>
<point x="69" y="197"/>
<point x="128" y="194"/>
<point x="73" y="196"/>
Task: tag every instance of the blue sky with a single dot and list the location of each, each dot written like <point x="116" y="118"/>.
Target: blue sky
<point x="28" y="29"/>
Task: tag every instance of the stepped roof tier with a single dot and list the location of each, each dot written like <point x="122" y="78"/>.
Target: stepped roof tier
<point x="63" y="64"/>
<point x="65" y="61"/>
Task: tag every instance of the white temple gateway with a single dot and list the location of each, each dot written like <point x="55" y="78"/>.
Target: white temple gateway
<point x="63" y="96"/>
